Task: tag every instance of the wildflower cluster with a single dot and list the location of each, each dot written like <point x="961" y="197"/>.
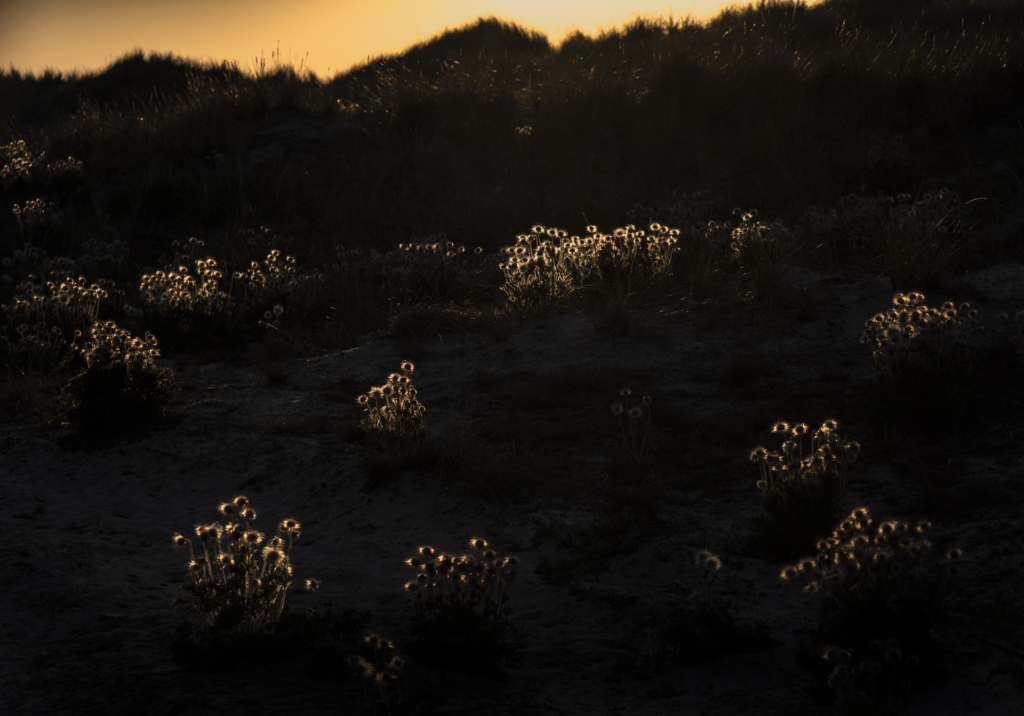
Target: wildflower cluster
<point x="36" y="213"/>
<point x="120" y="382"/>
<point x="239" y="582"/>
<point x="873" y="582"/>
<point x="802" y="484"/>
<point x="871" y="578"/>
<point x="382" y="671"/>
<point x="912" y="336"/>
<point x="755" y="244"/>
<point x="635" y="422"/>
<point x="17" y="164"/>
<point x="277" y="282"/>
<point x="548" y="264"/>
<point x="66" y="173"/>
<point x="923" y="356"/>
<point x="188" y="301"/>
<point x="394" y="415"/>
<point x="461" y="599"/>
<point x="41" y="321"/>
<point x="536" y="269"/>
<point x="861" y="552"/>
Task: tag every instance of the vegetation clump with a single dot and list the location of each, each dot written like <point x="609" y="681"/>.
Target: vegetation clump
<point x="41" y="322"/>
<point x="874" y="583"/>
<point x="802" y="486"/>
<point x="460" y="604"/>
<point x="238" y="584"/>
<point x="235" y="599"/>
<point x="924" y="359"/>
<point x="393" y="419"/>
<point x="185" y="302"/>
<point x="548" y="265"/>
<point x="121" y="381"/>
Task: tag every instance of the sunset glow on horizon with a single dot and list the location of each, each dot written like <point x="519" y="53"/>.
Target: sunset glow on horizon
<point x="326" y="36"/>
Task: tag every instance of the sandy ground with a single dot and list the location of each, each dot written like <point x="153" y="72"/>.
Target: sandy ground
<point x="89" y="576"/>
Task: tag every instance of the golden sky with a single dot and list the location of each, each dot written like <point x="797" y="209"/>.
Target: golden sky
<point x="336" y="34"/>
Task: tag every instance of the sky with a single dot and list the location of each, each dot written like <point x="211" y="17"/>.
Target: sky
<point x="326" y="36"/>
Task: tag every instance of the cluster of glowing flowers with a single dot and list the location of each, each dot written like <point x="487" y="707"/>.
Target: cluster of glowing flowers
<point x="41" y="321"/>
<point x="109" y="343"/>
<point x="239" y="582"/>
<point x="548" y="263"/>
<point x="17" y="162"/>
<point x="65" y="170"/>
<point x="804" y="455"/>
<point x="68" y="302"/>
<point x="277" y="281"/>
<point x="121" y="381"/>
<point x="753" y="243"/>
<point x="179" y="289"/>
<point x="393" y="411"/>
<point x="36" y="213"/>
<point x="861" y="550"/>
<point x="913" y="337"/>
<point x="477" y="582"/>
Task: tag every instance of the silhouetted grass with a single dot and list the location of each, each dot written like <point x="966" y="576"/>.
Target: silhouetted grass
<point x="772" y="106"/>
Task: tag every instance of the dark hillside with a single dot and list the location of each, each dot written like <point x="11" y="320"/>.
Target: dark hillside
<point x="487" y="128"/>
